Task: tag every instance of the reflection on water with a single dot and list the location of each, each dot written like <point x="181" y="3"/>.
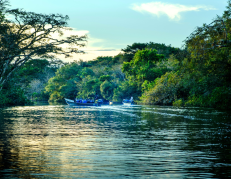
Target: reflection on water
<point x="57" y="141"/>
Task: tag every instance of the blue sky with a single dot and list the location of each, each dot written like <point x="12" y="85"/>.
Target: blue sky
<point x="113" y="24"/>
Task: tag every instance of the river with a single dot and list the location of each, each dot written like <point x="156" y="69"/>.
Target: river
<point x="58" y="141"/>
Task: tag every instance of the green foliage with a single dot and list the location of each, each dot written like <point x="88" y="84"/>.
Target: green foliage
<point x="28" y="82"/>
<point x="204" y="77"/>
<point x="33" y="76"/>
<point x="31" y="70"/>
<point x="23" y="38"/>
<point x="106" y="89"/>
<point x="28" y="35"/>
<point x="85" y="72"/>
<point x="103" y="61"/>
<point x="143" y="65"/>
<point x="178" y="103"/>
<point x="142" y="70"/>
<point x="220" y="98"/>
<point x="64" y="83"/>
<point x="105" y="77"/>
<point x="2" y="17"/>
<point x="3" y="6"/>
<point x="147" y="85"/>
<point x="163" y="49"/>
<point x="75" y="80"/>
<point x="130" y="50"/>
<point x="12" y="95"/>
<point x="165" y="90"/>
<point x="171" y="64"/>
<point x="88" y="87"/>
<point x="126" y="89"/>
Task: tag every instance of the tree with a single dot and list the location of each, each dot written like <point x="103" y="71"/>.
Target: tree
<point x="63" y="84"/>
<point x="125" y="90"/>
<point x="3" y="5"/>
<point x="29" y="35"/>
<point x="106" y="89"/>
<point x="166" y="50"/>
<point x="130" y="50"/>
<point x="142" y="67"/>
<point x="164" y="91"/>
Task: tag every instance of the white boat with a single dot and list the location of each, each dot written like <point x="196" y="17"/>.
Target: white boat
<point x="128" y="102"/>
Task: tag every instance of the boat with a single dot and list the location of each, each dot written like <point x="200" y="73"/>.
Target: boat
<point x="128" y="102"/>
<point x="100" y="101"/>
<point x="74" y="103"/>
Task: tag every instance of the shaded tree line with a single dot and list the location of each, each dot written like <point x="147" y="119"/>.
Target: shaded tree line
<point x="127" y="74"/>
<point x="28" y="83"/>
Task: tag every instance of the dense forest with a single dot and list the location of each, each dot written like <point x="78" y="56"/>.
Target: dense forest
<point x="199" y="74"/>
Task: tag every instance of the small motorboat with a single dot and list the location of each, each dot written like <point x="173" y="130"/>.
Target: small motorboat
<point x="100" y="101"/>
<point x="128" y="102"/>
<point x="75" y="103"/>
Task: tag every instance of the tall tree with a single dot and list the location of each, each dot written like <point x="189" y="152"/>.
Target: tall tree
<point x="130" y="50"/>
<point x="3" y="5"/>
<point x="142" y="66"/>
<point x="28" y="35"/>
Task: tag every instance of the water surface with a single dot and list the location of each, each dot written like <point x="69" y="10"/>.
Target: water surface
<point x="58" y="141"/>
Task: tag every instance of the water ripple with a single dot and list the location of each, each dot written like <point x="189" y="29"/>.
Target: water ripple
<point x="58" y="141"/>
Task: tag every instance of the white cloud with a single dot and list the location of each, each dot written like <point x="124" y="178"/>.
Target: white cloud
<point x="94" y="47"/>
<point x="171" y="10"/>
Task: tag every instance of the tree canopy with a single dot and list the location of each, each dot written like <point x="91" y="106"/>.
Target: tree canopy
<point x="29" y="35"/>
<point x="142" y="67"/>
<point x="203" y="77"/>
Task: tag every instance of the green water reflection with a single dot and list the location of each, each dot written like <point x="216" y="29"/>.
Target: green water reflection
<point x="57" y="141"/>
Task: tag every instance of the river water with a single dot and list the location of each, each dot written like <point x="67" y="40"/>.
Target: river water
<point x="58" y="141"/>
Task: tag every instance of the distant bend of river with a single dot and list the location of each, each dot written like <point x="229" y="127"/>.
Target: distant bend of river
<point x="58" y="141"/>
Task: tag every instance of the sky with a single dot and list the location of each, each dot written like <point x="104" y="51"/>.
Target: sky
<point x="111" y="25"/>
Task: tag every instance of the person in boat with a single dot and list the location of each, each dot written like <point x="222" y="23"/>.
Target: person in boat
<point x="131" y="99"/>
<point x="96" y="96"/>
<point x="90" y="101"/>
<point x="100" y="101"/>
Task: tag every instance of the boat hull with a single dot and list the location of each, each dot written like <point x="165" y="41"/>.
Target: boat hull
<point x="73" y="103"/>
<point x="128" y="104"/>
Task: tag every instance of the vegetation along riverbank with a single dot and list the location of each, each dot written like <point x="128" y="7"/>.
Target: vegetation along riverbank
<point x="198" y="74"/>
